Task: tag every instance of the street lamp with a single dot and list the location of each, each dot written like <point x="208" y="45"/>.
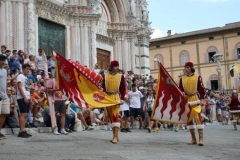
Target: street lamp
<point x="217" y="58"/>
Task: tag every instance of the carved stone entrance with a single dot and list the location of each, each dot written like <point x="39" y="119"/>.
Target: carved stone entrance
<point x="51" y="36"/>
<point x="103" y="58"/>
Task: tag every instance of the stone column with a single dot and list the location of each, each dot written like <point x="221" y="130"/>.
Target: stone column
<point x="68" y="42"/>
<point x="76" y="39"/>
<point x="132" y="53"/>
<point x="144" y="56"/>
<point x="119" y="53"/>
<point x="31" y="29"/>
<point x="86" y="47"/>
<point x="93" y="45"/>
<point x="14" y="25"/>
<point x="20" y="32"/>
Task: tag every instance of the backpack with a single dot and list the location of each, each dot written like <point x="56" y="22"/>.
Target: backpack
<point x="11" y="122"/>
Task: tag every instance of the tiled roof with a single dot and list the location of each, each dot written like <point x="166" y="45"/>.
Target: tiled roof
<point x="199" y="32"/>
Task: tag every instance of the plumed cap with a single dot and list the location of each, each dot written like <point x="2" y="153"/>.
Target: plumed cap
<point x="188" y="64"/>
<point x="114" y="63"/>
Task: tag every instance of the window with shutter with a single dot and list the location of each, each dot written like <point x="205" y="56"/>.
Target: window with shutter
<point x="184" y="57"/>
<point x="235" y="53"/>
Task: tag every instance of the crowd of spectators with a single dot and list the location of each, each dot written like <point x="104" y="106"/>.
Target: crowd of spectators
<point x="215" y="109"/>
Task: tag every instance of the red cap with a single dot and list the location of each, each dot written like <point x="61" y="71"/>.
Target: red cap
<point x="114" y="63"/>
<point x="188" y="64"/>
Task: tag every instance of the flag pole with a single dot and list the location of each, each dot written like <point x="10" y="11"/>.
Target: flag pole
<point x="230" y="68"/>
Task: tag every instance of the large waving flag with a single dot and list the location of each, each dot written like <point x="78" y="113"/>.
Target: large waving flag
<point x="80" y="84"/>
<point x="170" y="105"/>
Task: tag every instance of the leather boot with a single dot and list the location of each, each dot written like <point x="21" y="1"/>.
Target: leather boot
<point x="115" y="140"/>
<point x="113" y="129"/>
<point x="193" y="141"/>
<point x="200" y="132"/>
<point x="234" y="126"/>
<point x="113" y="134"/>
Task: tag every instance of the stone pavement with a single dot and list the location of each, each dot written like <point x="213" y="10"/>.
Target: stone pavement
<point x="220" y="142"/>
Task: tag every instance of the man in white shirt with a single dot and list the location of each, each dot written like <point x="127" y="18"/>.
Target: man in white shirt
<point x="23" y="98"/>
<point x="4" y="101"/>
<point x="134" y="97"/>
<point x="124" y="108"/>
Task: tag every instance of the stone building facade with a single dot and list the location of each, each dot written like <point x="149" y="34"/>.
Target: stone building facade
<point x="88" y="31"/>
<point x="199" y="47"/>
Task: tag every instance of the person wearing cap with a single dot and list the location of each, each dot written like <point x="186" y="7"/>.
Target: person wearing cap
<point x="235" y="109"/>
<point x="192" y="87"/>
<point x="114" y="87"/>
<point x="4" y="101"/>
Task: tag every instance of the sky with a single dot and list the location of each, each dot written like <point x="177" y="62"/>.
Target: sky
<point x="181" y="16"/>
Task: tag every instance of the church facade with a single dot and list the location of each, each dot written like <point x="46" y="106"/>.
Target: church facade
<point x="88" y="31"/>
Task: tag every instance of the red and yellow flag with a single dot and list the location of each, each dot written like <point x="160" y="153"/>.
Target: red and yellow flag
<point x="170" y="104"/>
<point x="81" y="84"/>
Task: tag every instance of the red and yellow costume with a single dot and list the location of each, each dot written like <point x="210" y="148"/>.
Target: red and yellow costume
<point x="235" y="109"/>
<point x="192" y="87"/>
<point x="114" y="87"/>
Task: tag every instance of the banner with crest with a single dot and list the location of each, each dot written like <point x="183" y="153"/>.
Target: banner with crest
<point x="80" y="84"/>
<point x="170" y="104"/>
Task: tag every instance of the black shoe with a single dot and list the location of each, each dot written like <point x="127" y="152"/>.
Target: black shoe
<point x="128" y="130"/>
<point x="149" y="130"/>
<point x="123" y="130"/>
<point x="23" y="134"/>
<point x="32" y="125"/>
<point x="27" y="125"/>
<point x="29" y="135"/>
<point x="159" y="125"/>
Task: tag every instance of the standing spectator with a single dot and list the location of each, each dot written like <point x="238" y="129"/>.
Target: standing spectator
<point x="14" y="62"/>
<point x="4" y="100"/>
<point x="51" y="66"/>
<point x="134" y="97"/>
<point x="124" y="108"/>
<point x="218" y="108"/>
<point x="208" y="109"/>
<point x="23" y="99"/>
<point x="213" y="107"/>
<point x="32" y="62"/>
<point x="59" y="104"/>
<point x="223" y="109"/>
<point x="149" y="107"/>
<point x="39" y="60"/>
<point x="25" y="58"/>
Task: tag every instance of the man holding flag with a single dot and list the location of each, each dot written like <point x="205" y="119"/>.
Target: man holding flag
<point x="114" y="87"/>
<point x="192" y="87"/>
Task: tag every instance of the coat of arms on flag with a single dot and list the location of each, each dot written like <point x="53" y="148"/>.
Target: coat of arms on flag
<point x="80" y="84"/>
<point x="170" y="105"/>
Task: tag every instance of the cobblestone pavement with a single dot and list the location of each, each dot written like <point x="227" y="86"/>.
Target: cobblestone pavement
<point x="220" y="142"/>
